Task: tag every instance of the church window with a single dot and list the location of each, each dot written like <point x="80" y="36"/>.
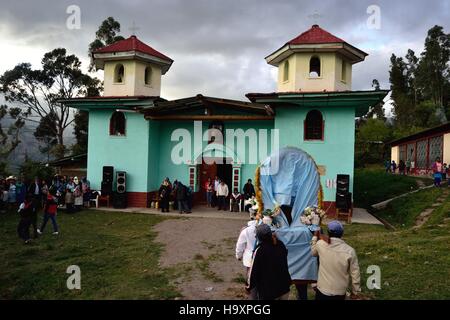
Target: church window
<point x="117" y="124"/>
<point x="314" y="67"/>
<point x="286" y="71"/>
<point x="314" y="126"/>
<point x="148" y="76"/>
<point x="344" y="71"/>
<point x="119" y="73"/>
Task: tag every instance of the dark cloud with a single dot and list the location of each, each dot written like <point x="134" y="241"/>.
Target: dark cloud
<point x="219" y="46"/>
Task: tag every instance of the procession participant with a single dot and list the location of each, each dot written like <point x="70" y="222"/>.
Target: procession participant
<point x="86" y="189"/>
<point x="249" y="190"/>
<point x="222" y="194"/>
<point x="26" y="211"/>
<point x="78" y="194"/>
<point x="437" y="172"/>
<point x="269" y="273"/>
<point x="12" y="193"/>
<point x="164" y="194"/>
<point x="244" y="250"/>
<point x="209" y="189"/>
<point x="216" y="184"/>
<point x="50" y="211"/>
<point x="182" y="198"/>
<point x="235" y="200"/>
<point x="69" y="197"/>
<point x="338" y="264"/>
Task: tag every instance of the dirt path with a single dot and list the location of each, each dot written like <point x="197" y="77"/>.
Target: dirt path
<point x="199" y="253"/>
<point x="425" y="215"/>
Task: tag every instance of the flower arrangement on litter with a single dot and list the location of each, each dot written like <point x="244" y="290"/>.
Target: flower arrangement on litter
<point x="268" y="215"/>
<point x="312" y="215"/>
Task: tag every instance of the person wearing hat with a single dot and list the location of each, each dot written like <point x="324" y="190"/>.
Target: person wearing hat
<point x="269" y="273"/>
<point x="338" y="264"/>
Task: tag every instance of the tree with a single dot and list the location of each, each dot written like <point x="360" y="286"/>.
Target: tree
<point x="376" y="110"/>
<point x="371" y="137"/>
<point x="9" y="132"/>
<point x="433" y="68"/>
<point x="40" y="91"/>
<point x="106" y="34"/>
<point x="46" y="133"/>
<point x="81" y="132"/>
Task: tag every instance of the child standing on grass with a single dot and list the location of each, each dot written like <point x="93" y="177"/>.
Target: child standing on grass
<point x="50" y="209"/>
<point x="26" y="211"/>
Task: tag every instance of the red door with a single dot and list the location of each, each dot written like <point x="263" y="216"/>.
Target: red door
<point x="206" y="171"/>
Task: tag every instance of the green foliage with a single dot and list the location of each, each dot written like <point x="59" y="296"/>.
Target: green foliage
<point x="31" y="169"/>
<point x="39" y="91"/>
<point x="371" y="138"/>
<point x="9" y="134"/>
<point x="373" y="185"/>
<point x="81" y="132"/>
<point x="106" y="34"/>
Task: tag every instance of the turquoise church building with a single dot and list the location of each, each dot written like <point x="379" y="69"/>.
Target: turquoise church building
<point x="135" y="130"/>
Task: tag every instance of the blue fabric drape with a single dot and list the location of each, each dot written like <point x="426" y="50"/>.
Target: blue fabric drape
<point x="290" y="177"/>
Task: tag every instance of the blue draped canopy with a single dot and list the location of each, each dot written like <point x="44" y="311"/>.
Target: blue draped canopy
<point x="290" y="177"/>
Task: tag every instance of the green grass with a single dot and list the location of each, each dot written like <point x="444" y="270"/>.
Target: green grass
<point x="402" y="212"/>
<point x="116" y="253"/>
<point x="414" y="262"/>
<point x="373" y="185"/>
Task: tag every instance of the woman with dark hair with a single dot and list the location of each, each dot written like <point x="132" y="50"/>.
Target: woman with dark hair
<point x="164" y="195"/>
<point x="269" y="274"/>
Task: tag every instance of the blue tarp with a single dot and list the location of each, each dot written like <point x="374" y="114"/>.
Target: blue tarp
<point x="290" y="177"/>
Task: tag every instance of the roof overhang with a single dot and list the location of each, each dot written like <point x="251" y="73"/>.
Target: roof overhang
<point x="132" y="103"/>
<point x="353" y="54"/>
<point x="200" y="107"/>
<point x="101" y="58"/>
<point x="442" y="129"/>
<point x="360" y="100"/>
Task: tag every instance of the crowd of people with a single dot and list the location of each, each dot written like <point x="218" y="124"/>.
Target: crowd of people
<point x="441" y="171"/>
<point x="29" y="198"/>
<point x="216" y="191"/>
<point x="265" y="258"/>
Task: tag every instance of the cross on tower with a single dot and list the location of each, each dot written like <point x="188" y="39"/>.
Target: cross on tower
<point x="315" y="16"/>
<point x="133" y="29"/>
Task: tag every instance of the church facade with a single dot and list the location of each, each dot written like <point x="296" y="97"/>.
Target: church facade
<point x="133" y="129"/>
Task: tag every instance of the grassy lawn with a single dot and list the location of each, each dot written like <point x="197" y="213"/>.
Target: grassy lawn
<point x="116" y="253"/>
<point x="373" y="185"/>
<point x="414" y="262"/>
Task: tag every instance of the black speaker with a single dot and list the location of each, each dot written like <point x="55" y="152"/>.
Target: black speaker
<point x="120" y="200"/>
<point x="342" y="183"/>
<point x="343" y="201"/>
<point x="108" y="173"/>
<point x="121" y="179"/>
<point x="106" y="188"/>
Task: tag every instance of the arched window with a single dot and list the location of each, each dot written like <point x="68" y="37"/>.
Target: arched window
<point x="286" y="71"/>
<point x="314" y="67"/>
<point x="313" y="126"/>
<point x="117" y="124"/>
<point x="119" y="73"/>
<point x="344" y="71"/>
<point x="148" y="76"/>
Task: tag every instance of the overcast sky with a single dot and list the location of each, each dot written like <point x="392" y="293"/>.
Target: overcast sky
<point x="219" y="46"/>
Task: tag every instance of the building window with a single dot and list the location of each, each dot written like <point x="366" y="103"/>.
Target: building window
<point x="117" y="124"/>
<point x="215" y="132"/>
<point x="148" y="76"/>
<point x="344" y="71"/>
<point x="313" y="126"/>
<point x="286" y="71"/>
<point x="119" y="74"/>
<point x="314" y="67"/>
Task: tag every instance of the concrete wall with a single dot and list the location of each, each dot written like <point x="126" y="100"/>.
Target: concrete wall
<point x="134" y="82"/>
<point x="395" y="154"/>
<point x="446" y="156"/>
<point x="299" y="79"/>
<point x="128" y="153"/>
<point x="335" y="152"/>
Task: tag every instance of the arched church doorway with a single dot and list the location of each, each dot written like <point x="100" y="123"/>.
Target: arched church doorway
<point x="210" y="167"/>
